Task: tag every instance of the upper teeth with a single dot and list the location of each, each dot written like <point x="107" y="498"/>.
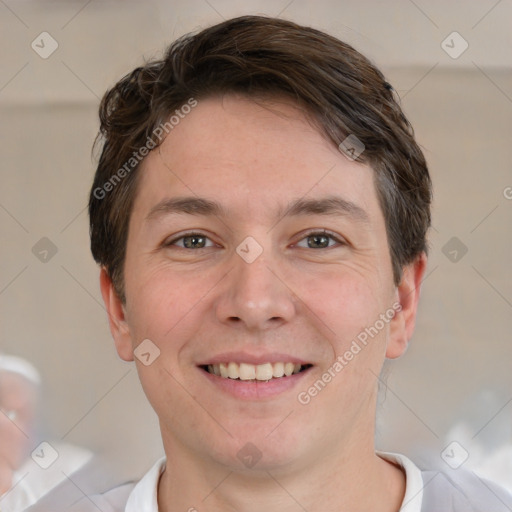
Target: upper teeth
<point x="244" y="371"/>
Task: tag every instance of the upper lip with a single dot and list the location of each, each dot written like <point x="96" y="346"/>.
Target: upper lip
<point x="245" y="357"/>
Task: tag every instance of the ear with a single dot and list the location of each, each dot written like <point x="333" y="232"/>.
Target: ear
<point x="408" y="295"/>
<point x="116" y="317"/>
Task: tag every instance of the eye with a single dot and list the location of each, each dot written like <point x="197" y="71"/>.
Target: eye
<point x="320" y="240"/>
<point x="191" y="241"/>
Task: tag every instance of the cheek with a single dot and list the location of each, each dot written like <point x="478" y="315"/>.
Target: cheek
<point x="344" y="299"/>
<point x="349" y="303"/>
<point x="163" y="305"/>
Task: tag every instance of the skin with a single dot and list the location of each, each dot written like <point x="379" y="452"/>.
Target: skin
<point x="254" y="158"/>
<point x="17" y="397"/>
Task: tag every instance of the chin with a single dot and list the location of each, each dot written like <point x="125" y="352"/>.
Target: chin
<point x="260" y="450"/>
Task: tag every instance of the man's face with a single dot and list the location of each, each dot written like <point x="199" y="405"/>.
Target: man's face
<point x="252" y="241"/>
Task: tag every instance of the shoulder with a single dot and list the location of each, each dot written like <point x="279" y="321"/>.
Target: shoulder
<point x="457" y="490"/>
<point x="113" y="500"/>
<point x="95" y="486"/>
<point x="462" y="491"/>
<point x="92" y="491"/>
<point x="131" y="497"/>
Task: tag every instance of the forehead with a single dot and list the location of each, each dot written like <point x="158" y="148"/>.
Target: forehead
<point x="252" y="154"/>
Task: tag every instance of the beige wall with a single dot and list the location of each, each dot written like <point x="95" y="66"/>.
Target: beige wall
<point x="458" y="367"/>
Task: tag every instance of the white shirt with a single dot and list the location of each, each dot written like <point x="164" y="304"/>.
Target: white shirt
<point x="426" y="491"/>
<point x="143" y="497"/>
<point x="31" y="482"/>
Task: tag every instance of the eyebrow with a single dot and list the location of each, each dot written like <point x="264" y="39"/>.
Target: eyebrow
<point x="330" y="205"/>
<point x="189" y="205"/>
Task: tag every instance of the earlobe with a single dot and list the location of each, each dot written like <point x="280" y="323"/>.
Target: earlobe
<point x="116" y="317"/>
<point x="408" y="294"/>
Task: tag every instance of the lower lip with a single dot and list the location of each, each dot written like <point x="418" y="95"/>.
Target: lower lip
<point x="255" y="390"/>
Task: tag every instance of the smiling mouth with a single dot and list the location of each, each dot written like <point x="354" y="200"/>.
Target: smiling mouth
<point x="255" y="372"/>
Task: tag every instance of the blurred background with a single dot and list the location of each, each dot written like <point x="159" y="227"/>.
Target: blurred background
<point x="448" y="402"/>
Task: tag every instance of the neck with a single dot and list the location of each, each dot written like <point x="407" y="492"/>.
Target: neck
<point x="348" y="479"/>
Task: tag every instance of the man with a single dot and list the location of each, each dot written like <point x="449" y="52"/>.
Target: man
<point x="259" y="213"/>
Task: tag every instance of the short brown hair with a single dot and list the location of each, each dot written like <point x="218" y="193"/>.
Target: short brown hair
<point x="341" y="89"/>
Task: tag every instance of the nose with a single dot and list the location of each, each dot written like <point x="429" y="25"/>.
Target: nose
<point x="255" y="296"/>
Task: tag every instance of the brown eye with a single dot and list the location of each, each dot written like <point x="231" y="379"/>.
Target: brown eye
<point x="318" y="241"/>
<point x="194" y="242"/>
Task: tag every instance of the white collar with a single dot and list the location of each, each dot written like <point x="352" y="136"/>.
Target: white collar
<point x="143" y="497"/>
<point x="413" y="497"/>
